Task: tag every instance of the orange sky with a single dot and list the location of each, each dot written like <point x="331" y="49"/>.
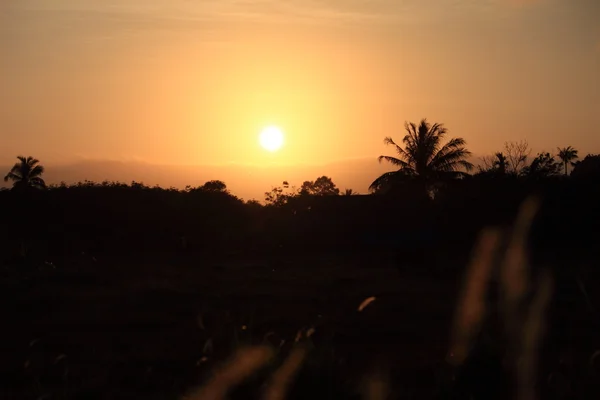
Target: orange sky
<point x="192" y="82"/>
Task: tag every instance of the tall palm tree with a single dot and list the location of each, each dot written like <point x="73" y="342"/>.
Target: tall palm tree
<point x="424" y="157"/>
<point x="567" y="155"/>
<point x="27" y="173"/>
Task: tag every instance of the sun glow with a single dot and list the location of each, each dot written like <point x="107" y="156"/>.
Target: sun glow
<point x="271" y="138"/>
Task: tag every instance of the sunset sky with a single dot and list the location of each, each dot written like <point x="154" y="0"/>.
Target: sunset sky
<point x="192" y="82"/>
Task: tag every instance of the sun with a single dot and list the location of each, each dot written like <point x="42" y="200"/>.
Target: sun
<point x="271" y="138"/>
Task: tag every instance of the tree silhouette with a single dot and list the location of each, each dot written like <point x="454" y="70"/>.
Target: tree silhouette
<point x="322" y="186"/>
<point x="500" y="162"/>
<point x="496" y="164"/>
<point x="542" y="166"/>
<point x="588" y="168"/>
<point x="349" y="192"/>
<point x="280" y="195"/>
<point x="424" y="157"/>
<point x="517" y="154"/>
<point x="27" y="173"/>
<point x="567" y="155"/>
<point x="214" y="186"/>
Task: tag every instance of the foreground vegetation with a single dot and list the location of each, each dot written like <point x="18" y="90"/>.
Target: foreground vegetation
<point x="130" y="326"/>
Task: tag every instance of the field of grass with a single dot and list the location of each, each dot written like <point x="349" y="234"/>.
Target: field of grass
<point x="144" y="327"/>
<point x="156" y="328"/>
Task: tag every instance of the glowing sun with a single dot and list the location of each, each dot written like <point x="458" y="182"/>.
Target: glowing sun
<point x="271" y="138"/>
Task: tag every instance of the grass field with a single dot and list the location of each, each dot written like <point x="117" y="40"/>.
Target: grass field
<point x="155" y="328"/>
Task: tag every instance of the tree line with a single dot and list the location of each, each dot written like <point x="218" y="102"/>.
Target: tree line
<point x="422" y="156"/>
<point x="434" y="198"/>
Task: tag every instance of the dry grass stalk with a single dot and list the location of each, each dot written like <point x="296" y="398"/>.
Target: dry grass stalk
<point x="523" y="325"/>
<point x="514" y="269"/>
<point x="365" y="303"/>
<point x="243" y="364"/>
<point x="282" y="378"/>
<point x="471" y="306"/>
<point x="531" y="338"/>
<point x="376" y="386"/>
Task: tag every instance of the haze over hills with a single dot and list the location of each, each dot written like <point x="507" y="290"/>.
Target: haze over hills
<point x="245" y="181"/>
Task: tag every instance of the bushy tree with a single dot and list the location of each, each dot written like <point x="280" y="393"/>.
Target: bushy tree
<point x="543" y="166"/>
<point x="279" y="195"/>
<point x="322" y="186"/>
<point x="214" y="186"/>
<point x="588" y="168"/>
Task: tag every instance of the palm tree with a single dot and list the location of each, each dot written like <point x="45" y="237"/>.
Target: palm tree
<point x="500" y="162"/>
<point x="424" y="157"/>
<point x="27" y="173"/>
<point x="567" y="155"/>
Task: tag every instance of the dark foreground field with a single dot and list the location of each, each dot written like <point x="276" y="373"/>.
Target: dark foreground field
<point x="141" y="329"/>
<point x="155" y="328"/>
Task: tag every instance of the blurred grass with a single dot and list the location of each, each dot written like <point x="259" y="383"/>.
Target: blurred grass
<point x="522" y="307"/>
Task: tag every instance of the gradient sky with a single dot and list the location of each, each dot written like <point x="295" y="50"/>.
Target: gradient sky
<point x="191" y="82"/>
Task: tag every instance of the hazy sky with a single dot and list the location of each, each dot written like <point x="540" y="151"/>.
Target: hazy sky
<point x="193" y="81"/>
